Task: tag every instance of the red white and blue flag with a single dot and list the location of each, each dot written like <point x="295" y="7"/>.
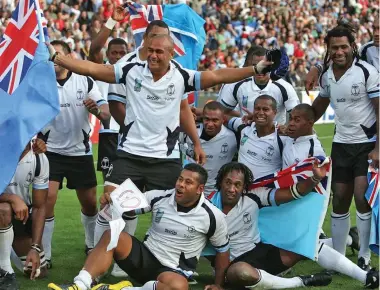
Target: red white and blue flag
<point x="372" y="196"/>
<point x="19" y="43"/>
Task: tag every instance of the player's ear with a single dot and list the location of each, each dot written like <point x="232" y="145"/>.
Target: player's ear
<point x="201" y="189"/>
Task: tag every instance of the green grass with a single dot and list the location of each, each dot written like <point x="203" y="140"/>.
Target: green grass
<point x="68" y="241"/>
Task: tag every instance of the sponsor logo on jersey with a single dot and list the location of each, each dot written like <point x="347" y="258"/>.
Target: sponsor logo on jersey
<point x="152" y="98"/>
<point x="138" y="85"/>
<point x="209" y="156"/>
<point x="170" y="90"/>
<point x="172" y="232"/>
<point x="234" y="234"/>
<point x="249" y="152"/>
<point x="13" y="184"/>
<point x="341" y="100"/>
<point x="66" y="105"/>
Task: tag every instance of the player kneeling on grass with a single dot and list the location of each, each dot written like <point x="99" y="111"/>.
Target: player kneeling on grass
<point x="22" y="217"/>
<point x="182" y="222"/>
<point x="255" y="263"/>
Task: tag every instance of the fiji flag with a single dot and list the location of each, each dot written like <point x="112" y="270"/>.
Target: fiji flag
<point x="28" y="91"/>
<point x="372" y="195"/>
<point x="293" y="226"/>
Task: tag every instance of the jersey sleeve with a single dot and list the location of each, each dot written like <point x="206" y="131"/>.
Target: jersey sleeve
<point x="121" y="70"/>
<point x="263" y="196"/>
<point x="324" y="90"/>
<point x="117" y="92"/>
<point x="372" y="84"/>
<point x="153" y="196"/>
<point x="226" y="97"/>
<point x="292" y="100"/>
<point x="42" y="180"/>
<point x="219" y="238"/>
<point x="94" y="92"/>
<point x="191" y="79"/>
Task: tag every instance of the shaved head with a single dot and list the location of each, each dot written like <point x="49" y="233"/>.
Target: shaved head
<point x="307" y="110"/>
<point x="166" y="39"/>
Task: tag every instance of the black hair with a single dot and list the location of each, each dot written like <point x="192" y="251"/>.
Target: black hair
<point x="307" y="109"/>
<point x="66" y="48"/>
<point x="234" y="166"/>
<point x="202" y="173"/>
<point x="214" y="106"/>
<point x="117" y="41"/>
<point x="254" y="50"/>
<point x="343" y="29"/>
<point x="267" y="97"/>
<point x="158" y="23"/>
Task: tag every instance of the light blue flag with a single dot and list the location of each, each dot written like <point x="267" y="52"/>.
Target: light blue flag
<point x="28" y="90"/>
<point x="372" y="196"/>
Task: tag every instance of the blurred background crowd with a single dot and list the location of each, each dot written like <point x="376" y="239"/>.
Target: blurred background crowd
<point x="297" y="27"/>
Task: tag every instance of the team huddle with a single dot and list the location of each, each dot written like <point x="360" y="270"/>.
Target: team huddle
<point x="183" y="159"/>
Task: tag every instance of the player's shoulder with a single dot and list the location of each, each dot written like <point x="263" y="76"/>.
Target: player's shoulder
<point x="242" y="84"/>
<point x="366" y="46"/>
<point x="211" y="209"/>
<point x="130" y="57"/>
<point x="365" y="67"/>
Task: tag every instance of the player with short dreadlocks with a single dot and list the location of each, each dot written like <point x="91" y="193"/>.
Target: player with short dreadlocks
<point x="234" y="166"/>
<point x="352" y="86"/>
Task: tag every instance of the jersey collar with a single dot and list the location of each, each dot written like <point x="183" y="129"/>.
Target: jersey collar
<point x="267" y="137"/>
<point x="304" y="138"/>
<point x="194" y="210"/>
<point x="148" y="74"/>
<point x="331" y="75"/>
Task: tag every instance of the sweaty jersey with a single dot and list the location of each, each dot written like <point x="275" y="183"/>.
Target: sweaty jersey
<point x="219" y="150"/>
<point x="32" y="170"/>
<point x="262" y="155"/>
<point x="370" y="53"/>
<point x="177" y="238"/>
<point x="351" y="96"/>
<point x="296" y="150"/>
<point x="245" y="92"/>
<point x="69" y="133"/>
<point x="153" y="108"/>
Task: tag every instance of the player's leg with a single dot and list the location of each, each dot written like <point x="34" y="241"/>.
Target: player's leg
<point x="343" y="188"/>
<point x="330" y="259"/>
<point x="6" y="236"/>
<point x="162" y="174"/>
<point x="363" y="210"/>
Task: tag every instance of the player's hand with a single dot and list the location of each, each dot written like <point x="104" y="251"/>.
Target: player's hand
<point x="262" y="65"/>
<point x="33" y="258"/>
<point x="213" y="287"/>
<point x="39" y="146"/>
<point x="52" y="52"/>
<point x="247" y="119"/>
<point x="199" y="155"/>
<point x="120" y="12"/>
<point x="282" y="130"/>
<point x="20" y="209"/>
<point x="91" y="106"/>
<point x="105" y="199"/>
<point x="311" y="80"/>
<point x="374" y="156"/>
<point x="319" y="172"/>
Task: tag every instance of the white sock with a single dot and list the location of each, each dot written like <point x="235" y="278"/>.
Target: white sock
<point x="363" y="222"/>
<point x="48" y="236"/>
<point x="151" y="285"/>
<point x="6" y="240"/>
<point x="340" y="227"/>
<point x="130" y="225"/>
<point x="330" y="259"/>
<point x="268" y="281"/>
<point x="16" y="261"/>
<point x="88" y="223"/>
<point x="329" y="241"/>
<point x="83" y="280"/>
<point x="100" y="227"/>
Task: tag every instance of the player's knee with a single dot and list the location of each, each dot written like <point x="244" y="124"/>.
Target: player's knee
<point x="340" y="204"/>
<point x="5" y="214"/>
<point x="242" y="274"/>
<point x="178" y="284"/>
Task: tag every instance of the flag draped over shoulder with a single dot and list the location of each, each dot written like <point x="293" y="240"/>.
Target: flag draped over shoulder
<point x="372" y="196"/>
<point x="294" y="226"/>
<point x="28" y="91"/>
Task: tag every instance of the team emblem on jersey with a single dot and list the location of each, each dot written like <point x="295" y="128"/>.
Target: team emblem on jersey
<point x="243" y="140"/>
<point x="138" y="85"/>
<point x="355" y="90"/>
<point x="244" y="101"/>
<point x="29" y="177"/>
<point x="80" y="95"/>
<point x="269" y="151"/>
<point x="159" y="216"/>
<point x="170" y="90"/>
<point x="224" y="148"/>
<point x="105" y="164"/>
<point x="247" y="218"/>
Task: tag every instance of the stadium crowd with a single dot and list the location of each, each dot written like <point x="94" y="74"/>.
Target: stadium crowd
<point x="256" y="128"/>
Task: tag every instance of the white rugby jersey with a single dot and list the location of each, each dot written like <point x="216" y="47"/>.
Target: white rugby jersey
<point x="69" y="133"/>
<point x="153" y="108"/>
<point x="219" y="150"/>
<point x="177" y="239"/>
<point x="350" y="96"/>
<point x="31" y="170"/>
<point x="296" y="150"/>
<point x="243" y="220"/>
<point x="110" y="126"/>
<point x="245" y="92"/>
<point x="263" y="155"/>
<point x="370" y="53"/>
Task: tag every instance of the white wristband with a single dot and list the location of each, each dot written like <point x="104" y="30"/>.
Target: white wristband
<point x="295" y="193"/>
<point x="110" y="24"/>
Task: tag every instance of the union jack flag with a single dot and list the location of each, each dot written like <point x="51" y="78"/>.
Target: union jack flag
<point x="141" y="16"/>
<point x="294" y="174"/>
<point x="19" y="43"/>
<point x="372" y="193"/>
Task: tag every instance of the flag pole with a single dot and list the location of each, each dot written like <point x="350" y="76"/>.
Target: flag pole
<point x="39" y="21"/>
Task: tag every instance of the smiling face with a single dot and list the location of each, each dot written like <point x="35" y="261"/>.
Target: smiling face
<point x="263" y="112"/>
<point x="341" y="51"/>
<point x="232" y="187"/>
<point x="188" y="188"/>
<point x="160" y="52"/>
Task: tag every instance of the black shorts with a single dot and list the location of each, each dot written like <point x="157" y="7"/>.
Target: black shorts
<point x="141" y="265"/>
<point x="78" y="170"/>
<point x="106" y="150"/>
<point x="145" y="172"/>
<point x="350" y="161"/>
<point x="265" y="257"/>
<point x="21" y="230"/>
